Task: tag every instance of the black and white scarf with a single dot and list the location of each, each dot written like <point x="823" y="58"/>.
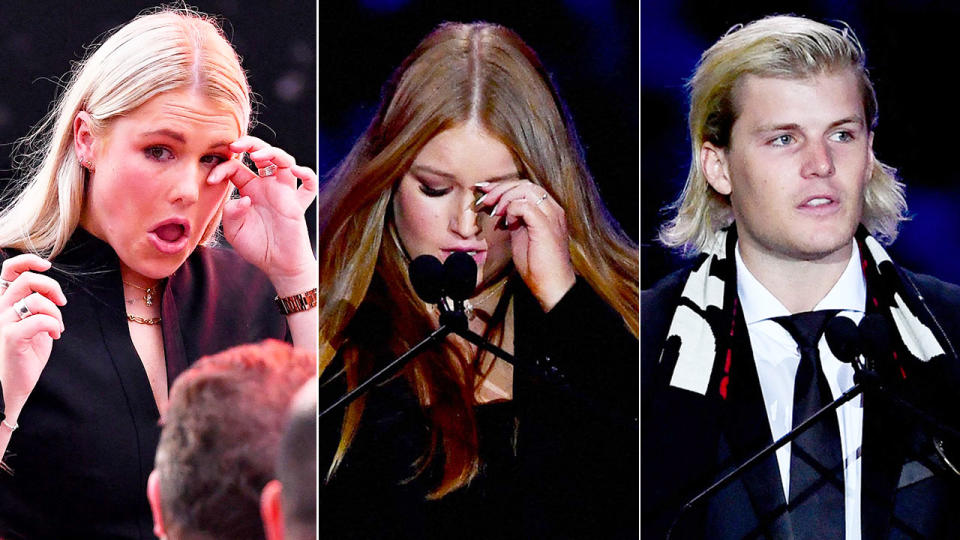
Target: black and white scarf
<point x="701" y="331"/>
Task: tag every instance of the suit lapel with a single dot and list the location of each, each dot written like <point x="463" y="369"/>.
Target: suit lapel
<point x="747" y="431"/>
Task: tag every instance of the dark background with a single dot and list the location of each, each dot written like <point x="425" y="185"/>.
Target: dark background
<point x="590" y="48"/>
<point x="276" y="42"/>
<point x="911" y="55"/>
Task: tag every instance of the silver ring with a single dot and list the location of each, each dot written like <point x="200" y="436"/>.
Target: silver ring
<point x="21" y="309"/>
<point x="266" y="171"/>
<point x="4" y="284"/>
<point x="541" y="199"/>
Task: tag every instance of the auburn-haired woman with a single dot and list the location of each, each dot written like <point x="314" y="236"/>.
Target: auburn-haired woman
<point x="471" y="150"/>
<point x="106" y="292"/>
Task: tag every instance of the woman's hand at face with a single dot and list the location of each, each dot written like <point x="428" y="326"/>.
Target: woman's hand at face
<point x="266" y="224"/>
<point x="26" y="337"/>
<point x="538" y="236"/>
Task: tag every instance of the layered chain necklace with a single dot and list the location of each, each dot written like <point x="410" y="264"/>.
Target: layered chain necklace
<point x="469" y="308"/>
<point x="148" y="298"/>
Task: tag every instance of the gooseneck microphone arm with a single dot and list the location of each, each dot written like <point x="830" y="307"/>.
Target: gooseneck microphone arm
<point x="791" y="435"/>
<point x="389" y="370"/>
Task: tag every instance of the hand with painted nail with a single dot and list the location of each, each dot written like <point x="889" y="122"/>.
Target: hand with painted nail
<point x="266" y="224"/>
<point x="538" y="235"/>
<point x="30" y="320"/>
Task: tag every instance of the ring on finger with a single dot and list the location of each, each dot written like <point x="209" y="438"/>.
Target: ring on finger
<point x="540" y="200"/>
<point x="266" y="171"/>
<point x="21" y="309"/>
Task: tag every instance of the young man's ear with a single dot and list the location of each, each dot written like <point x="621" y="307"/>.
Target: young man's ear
<point x="84" y="139"/>
<point x="713" y="163"/>
<point x="271" y="510"/>
<point x="156" y="507"/>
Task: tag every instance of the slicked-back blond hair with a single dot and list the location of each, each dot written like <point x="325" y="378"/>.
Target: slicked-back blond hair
<point x="157" y="52"/>
<point x="786" y="47"/>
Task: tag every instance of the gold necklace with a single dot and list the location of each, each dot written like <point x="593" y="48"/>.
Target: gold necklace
<point x="141" y="320"/>
<point x="148" y="293"/>
<point x="469" y="308"/>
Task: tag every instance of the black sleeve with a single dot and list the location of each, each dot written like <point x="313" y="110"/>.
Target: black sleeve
<point x="578" y="436"/>
<point x="584" y="347"/>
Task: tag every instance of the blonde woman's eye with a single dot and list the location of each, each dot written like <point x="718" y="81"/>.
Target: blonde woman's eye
<point x="158" y="153"/>
<point x="213" y="159"/>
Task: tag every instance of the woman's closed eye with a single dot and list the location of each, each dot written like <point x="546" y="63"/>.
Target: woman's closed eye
<point x="433" y="192"/>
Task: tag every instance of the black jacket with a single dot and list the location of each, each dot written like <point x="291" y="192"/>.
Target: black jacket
<point x="89" y="430"/>
<point x="558" y="461"/>
<point x="690" y="440"/>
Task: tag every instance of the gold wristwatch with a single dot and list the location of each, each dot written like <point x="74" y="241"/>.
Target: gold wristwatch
<point x="297" y="303"/>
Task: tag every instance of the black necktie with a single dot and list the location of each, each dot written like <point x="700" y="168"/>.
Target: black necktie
<point x="816" y="461"/>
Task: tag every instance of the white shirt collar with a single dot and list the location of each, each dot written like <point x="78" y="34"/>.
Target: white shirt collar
<point x="849" y="293"/>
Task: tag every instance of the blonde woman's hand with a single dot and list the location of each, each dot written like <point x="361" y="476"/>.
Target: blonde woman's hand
<point x="266" y="224"/>
<point x="538" y="236"/>
<point x="30" y="320"/>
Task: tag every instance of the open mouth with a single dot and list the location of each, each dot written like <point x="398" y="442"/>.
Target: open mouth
<point x="170" y="236"/>
<point x="170" y="232"/>
<point x="819" y="201"/>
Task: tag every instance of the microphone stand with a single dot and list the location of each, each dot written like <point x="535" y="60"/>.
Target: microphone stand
<point x="451" y="321"/>
<point x="791" y="435"/>
<point x="862" y="379"/>
<point x="388" y="370"/>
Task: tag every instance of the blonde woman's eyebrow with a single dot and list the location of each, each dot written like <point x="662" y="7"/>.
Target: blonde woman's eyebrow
<point x="180" y="137"/>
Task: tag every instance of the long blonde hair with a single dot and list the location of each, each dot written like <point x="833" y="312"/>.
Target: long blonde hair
<point x="157" y="52"/>
<point x="783" y="47"/>
<point x="480" y="72"/>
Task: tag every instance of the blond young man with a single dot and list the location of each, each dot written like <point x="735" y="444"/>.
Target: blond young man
<point x="786" y="208"/>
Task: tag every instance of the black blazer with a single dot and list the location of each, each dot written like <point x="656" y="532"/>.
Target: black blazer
<point x="691" y="440"/>
<point x="89" y="430"/>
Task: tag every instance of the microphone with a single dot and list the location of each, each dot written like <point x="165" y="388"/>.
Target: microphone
<point x="875" y="340"/>
<point x="427" y="277"/>
<point x="843" y="338"/>
<point x="460" y="276"/>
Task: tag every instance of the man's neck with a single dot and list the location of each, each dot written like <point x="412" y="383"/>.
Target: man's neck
<point x="798" y="284"/>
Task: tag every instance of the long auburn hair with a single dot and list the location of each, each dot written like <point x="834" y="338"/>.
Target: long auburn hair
<point x="460" y="72"/>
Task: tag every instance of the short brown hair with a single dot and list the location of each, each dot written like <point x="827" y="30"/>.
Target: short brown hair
<point x="221" y="437"/>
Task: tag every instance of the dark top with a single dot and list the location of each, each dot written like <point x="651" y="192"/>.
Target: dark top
<point x="89" y="430"/>
<point x="558" y="461"/>
<point x="691" y="440"/>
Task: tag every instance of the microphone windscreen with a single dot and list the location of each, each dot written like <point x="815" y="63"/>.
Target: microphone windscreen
<point x="843" y="339"/>
<point x="460" y="275"/>
<point x="427" y="276"/>
<point x="875" y="337"/>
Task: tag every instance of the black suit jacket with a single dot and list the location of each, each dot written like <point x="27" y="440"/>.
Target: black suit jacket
<point x="690" y="440"/>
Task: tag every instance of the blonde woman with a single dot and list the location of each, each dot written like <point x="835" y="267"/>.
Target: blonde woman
<point x="471" y="151"/>
<point x="107" y="288"/>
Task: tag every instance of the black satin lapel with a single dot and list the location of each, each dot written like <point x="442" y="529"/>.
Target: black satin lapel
<point x="747" y="431"/>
